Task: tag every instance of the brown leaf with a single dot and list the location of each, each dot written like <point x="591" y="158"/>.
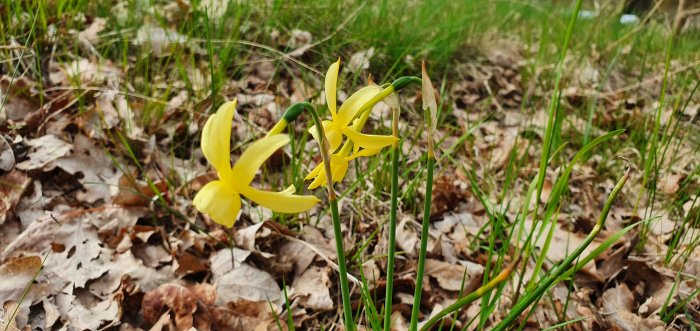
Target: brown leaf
<point x="618" y="303"/>
<point x="44" y="150"/>
<point x="179" y="299"/>
<point x="313" y="288"/>
<point x="407" y="237"/>
<point x="94" y="169"/>
<point x="12" y="186"/>
<point x="246" y="282"/>
<point x="7" y="156"/>
<point x="90" y="34"/>
<point x="446" y="196"/>
<point x="450" y="276"/>
<point x="670" y="183"/>
<point x="17" y="274"/>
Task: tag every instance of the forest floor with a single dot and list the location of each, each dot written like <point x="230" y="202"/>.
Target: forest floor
<point x="103" y="104"/>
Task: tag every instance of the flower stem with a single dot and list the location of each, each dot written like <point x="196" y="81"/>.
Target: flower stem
<point x="423" y="243"/>
<point x="333" y="201"/>
<point x="392" y="222"/>
<point x="545" y="283"/>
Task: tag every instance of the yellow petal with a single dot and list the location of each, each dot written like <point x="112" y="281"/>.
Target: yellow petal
<point x="253" y="158"/>
<point x="370" y="141"/>
<point x="363" y="152"/>
<point x="219" y="201"/>
<point x="331" y="86"/>
<point x="319" y="180"/>
<point x="314" y="173"/>
<point x="281" y="202"/>
<point x="339" y="168"/>
<point x="350" y="108"/>
<point x="216" y="138"/>
<point x="334" y="136"/>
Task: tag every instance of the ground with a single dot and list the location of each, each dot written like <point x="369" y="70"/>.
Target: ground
<point x="103" y="105"/>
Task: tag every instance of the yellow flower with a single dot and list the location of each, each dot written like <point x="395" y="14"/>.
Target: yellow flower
<point x="340" y="159"/>
<point x="340" y="119"/>
<point x="220" y="199"/>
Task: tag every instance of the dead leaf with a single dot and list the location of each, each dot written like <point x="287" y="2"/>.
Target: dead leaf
<point x="360" y="60"/>
<point x="93" y="168"/>
<point x="158" y="39"/>
<point x="82" y="312"/>
<point x="313" y="288"/>
<point x="7" y="156"/>
<point x="450" y="276"/>
<point x="137" y="193"/>
<point x="246" y="282"/>
<point x="407" y="237"/>
<point x="12" y="186"/>
<point x="44" y="150"/>
<point x="617" y="304"/>
<point x="90" y="34"/>
<point x="670" y="183"/>
<point x="17" y="274"/>
<point x="181" y="301"/>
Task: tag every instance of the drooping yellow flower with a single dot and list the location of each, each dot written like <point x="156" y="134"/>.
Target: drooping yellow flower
<point x="339" y="124"/>
<point x="340" y="159"/>
<point x="220" y="199"/>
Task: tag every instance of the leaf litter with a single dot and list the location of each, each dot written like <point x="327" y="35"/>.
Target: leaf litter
<point x="88" y="211"/>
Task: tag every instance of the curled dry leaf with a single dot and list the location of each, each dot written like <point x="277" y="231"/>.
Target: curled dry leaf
<point x="450" y="276"/>
<point x="618" y="303"/>
<point x="133" y="192"/>
<point x="7" y="156"/>
<point x="12" y="186"/>
<point x="188" y="304"/>
<point x="313" y="288"/>
<point x="670" y="183"/>
<point x="407" y="237"/>
<point x="16" y="275"/>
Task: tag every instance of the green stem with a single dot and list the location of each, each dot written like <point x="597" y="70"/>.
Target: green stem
<point x="560" y="269"/>
<point x="333" y="201"/>
<point x="392" y="222"/>
<point x="549" y="131"/>
<point x="423" y="244"/>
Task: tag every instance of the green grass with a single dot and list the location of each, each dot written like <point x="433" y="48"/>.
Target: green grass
<point x="222" y="48"/>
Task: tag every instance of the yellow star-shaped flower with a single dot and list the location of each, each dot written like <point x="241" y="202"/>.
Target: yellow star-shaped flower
<point x="339" y="124"/>
<point x="220" y="199"/>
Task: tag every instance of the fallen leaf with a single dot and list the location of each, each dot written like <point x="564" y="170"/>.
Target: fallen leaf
<point x="246" y="282"/>
<point x="313" y="288"/>
<point x="44" y="150"/>
<point x="617" y="305"/>
<point x="17" y="274"/>
<point x="90" y="34"/>
<point x="7" y="156"/>
<point x="12" y="186"/>
<point x="670" y="183"/>
<point x="158" y="39"/>
<point x="180" y="300"/>
<point x="407" y="237"/>
<point x="93" y="168"/>
<point x="450" y="276"/>
<point x="360" y="60"/>
<point x="82" y="314"/>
